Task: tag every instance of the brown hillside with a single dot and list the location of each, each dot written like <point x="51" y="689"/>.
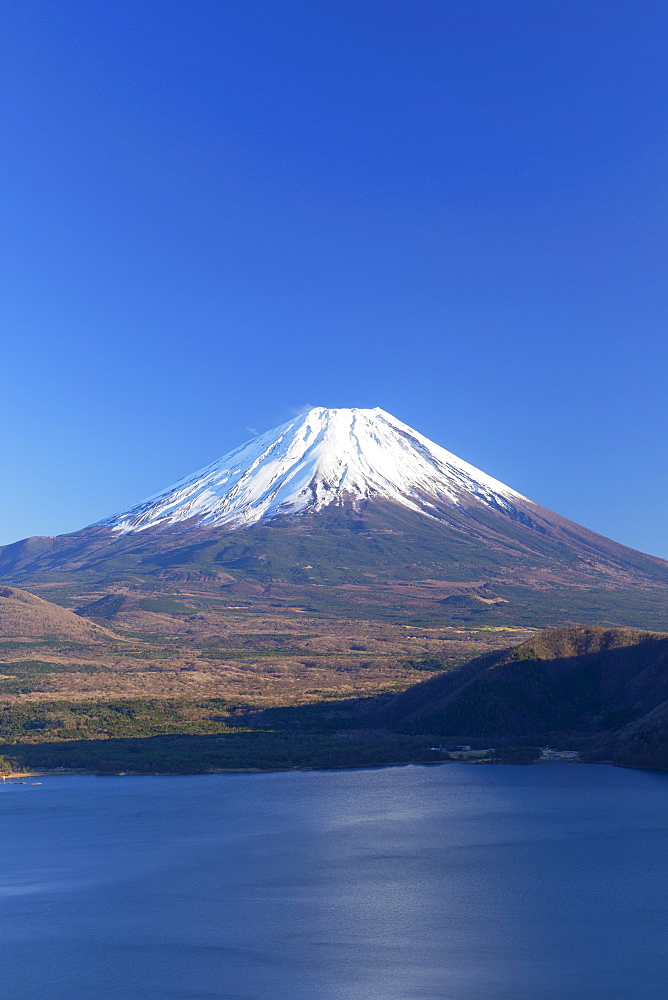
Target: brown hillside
<point x="22" y="615"/>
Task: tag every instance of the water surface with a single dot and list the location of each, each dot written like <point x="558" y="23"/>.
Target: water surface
<point x="455" y="882"/>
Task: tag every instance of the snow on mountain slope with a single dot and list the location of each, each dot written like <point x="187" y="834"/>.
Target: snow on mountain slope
<point x="325" y="456"/>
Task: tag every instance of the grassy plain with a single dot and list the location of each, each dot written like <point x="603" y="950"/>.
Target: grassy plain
<point x="187" y="679"/>
<point x="189" y="646"/>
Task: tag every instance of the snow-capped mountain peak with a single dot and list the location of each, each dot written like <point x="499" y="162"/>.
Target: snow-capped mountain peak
<point x="322" y="457"/>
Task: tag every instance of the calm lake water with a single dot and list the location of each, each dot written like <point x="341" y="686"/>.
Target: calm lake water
<point x="456" y="882"/>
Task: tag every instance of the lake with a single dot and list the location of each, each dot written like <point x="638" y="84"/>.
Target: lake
<point x="451" y="882"/>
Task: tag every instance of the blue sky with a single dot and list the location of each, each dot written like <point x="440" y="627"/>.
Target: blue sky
<point x="217" y="213"/>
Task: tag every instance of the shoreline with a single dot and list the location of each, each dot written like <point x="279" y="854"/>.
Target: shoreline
<point x="13" y="775"/>
<point x="280" y="770"/>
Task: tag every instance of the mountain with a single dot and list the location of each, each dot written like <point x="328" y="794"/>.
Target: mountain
<point x="350" y="511"/>
<point x="604" y="691"/>
<point x="320" y="459"/>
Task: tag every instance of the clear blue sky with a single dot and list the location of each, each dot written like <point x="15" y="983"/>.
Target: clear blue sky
<point x="216" y="212"/>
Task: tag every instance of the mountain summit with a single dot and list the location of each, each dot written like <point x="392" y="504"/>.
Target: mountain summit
<point x="320" y="458"/>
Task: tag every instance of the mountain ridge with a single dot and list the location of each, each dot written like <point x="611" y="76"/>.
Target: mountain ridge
<point x="600" y="690"/>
